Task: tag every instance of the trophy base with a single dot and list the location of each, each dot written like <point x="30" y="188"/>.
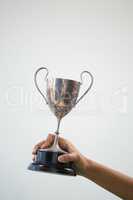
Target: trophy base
<point x="47" y="161"/>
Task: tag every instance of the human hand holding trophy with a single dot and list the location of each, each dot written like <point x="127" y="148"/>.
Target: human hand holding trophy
<point x="61" y="97"/>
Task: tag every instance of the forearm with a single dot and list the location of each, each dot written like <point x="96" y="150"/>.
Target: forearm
<point x="113" y="181"/>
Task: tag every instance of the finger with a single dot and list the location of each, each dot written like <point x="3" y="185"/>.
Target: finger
<point x="40" y="144"/>
<point x="33" y="157"/>
<point x="65" y="145"/>
<point x="37" y="146"/>
<point x="49" y="141"/>
<point x="69" y="157"/>
<point x="43" y="144"/>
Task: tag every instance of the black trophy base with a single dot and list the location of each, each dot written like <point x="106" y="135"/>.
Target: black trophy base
<point x="47" y="161"/>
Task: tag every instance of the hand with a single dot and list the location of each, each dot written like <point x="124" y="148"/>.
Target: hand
<point x="73" y="154"/>
<point x="103" y="176"/>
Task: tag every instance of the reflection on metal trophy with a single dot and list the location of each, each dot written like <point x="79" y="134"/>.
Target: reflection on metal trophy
<point x="61" y="97"/>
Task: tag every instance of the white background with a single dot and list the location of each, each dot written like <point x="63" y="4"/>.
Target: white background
<point x="68" y="37"/>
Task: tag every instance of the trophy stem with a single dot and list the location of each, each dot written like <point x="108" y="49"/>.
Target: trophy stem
<point x="55" y="144"/>
<point x="57" y="131"/>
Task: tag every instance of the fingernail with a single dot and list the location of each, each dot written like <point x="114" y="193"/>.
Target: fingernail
<point x="61" y="159"/>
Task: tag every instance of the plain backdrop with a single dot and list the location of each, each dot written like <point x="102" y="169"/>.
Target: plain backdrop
<point x="68" y="37"/>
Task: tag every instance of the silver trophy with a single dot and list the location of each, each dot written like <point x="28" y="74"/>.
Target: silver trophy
<point x="61" y="97"/>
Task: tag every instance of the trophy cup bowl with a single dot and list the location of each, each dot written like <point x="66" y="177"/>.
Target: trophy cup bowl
<point x="61" y="97"/>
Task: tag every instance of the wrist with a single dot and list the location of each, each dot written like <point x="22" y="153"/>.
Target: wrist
<point x="84" y="165"/>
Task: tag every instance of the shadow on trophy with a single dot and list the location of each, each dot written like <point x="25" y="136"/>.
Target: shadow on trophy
<point x="62" y="95"/>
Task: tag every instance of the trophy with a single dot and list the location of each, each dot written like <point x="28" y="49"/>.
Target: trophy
<point x="61" y="97"/>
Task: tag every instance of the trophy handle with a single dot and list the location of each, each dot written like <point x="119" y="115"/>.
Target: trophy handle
<point x="92" y="79"/>
<point x="36" y="84"/>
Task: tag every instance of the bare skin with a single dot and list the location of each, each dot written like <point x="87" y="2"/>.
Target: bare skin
<point x="111" y="180"/>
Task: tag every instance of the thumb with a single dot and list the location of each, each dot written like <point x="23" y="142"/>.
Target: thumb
<point x="68" y="157"/>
